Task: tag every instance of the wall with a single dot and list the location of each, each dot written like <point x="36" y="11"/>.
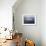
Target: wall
<point x="43" y="22"/>
<point x="29" y="7"/>
<point x="6" y="13"/>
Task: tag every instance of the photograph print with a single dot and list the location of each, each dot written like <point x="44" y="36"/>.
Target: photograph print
<point x="29" y="20"/>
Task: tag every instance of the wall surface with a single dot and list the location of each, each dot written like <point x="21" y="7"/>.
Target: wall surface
<point x="43" y="22"/>
<point x="29" y="7"/>
<point x="34" y="32"/>
<point x="6" y="13"/>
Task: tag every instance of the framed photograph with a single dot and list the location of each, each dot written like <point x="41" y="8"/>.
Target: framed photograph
<point x="28" y="20"/>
